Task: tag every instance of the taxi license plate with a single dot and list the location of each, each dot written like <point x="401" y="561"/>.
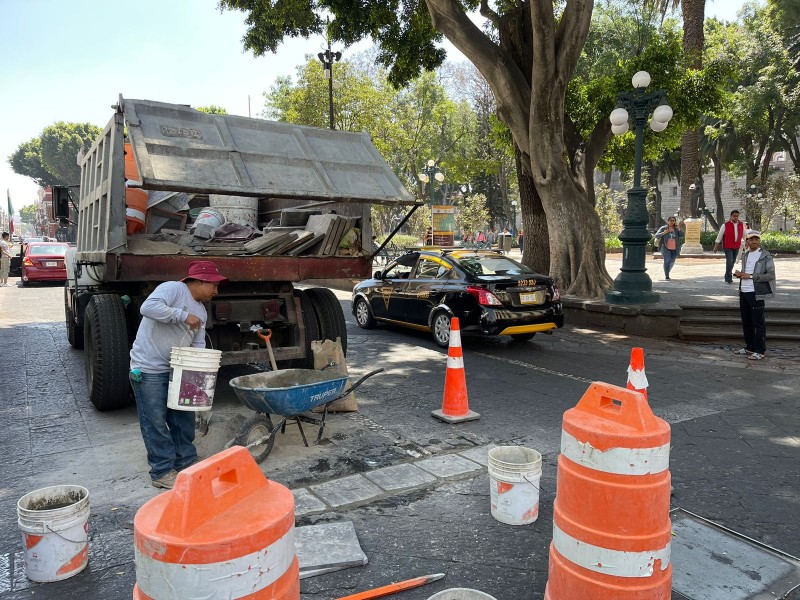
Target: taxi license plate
<point x="531" y="298"/>
<point x="51" y="263"/>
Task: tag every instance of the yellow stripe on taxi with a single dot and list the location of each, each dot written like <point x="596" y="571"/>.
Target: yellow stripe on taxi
<point x="528" y="328"/>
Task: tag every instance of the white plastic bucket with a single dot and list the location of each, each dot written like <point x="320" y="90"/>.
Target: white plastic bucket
<point x="54" y="522"/>
<point x="514" y="474"/>
<point x="236" y="209"/>
<point x="461" y="594"/>
<point x="192" y="378"/>
<point x="211" y="217"/>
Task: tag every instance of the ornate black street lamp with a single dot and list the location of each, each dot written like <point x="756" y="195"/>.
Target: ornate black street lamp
<point x="633" y="284"/>
<point x="327" y="59"/>
<point x="430" y="172"/>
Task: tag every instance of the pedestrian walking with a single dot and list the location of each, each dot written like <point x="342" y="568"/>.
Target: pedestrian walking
<point x="490" y="238"/>
<point x="521" y="239"/>
<point x="669" y="239"/>
<point x="429" y="236"/>
<point x="756" y="284"/>
<point x="5" y="258"/>
<point x="731" y="236"/>
<point x="172" y="315"/>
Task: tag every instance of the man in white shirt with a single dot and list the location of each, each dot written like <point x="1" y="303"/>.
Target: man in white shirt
<point x="756" y="284"/>
<point x="5" y="259"/>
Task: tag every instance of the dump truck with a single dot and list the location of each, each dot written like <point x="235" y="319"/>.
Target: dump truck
<point x="177" y="149"/>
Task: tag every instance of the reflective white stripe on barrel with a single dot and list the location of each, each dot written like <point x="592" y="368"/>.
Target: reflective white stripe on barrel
<point x="620" y="461"/>
<point x="610" y="562"/>
<point x="132" y="213"/>
<point x="455" y="338"/>
<point x="233" y="578"/>
<point x="455" y="362"/>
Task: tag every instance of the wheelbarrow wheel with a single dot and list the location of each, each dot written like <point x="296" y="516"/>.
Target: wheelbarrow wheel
<point x="255" y="428"/>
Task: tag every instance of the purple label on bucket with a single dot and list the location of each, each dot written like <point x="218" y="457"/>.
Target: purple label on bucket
<point x="197" y="388"/>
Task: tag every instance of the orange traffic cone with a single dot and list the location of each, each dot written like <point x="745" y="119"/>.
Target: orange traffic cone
<point x="637" y="380"/>
<point x="455" y="406"/>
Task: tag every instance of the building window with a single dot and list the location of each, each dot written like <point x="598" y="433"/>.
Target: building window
<point x="674" y="190"/>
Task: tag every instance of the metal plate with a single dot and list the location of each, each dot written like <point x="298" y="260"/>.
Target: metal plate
<point x="180" y="149"/>
<point x="711" y="562"/>
<point x="51" y="263"/>
<point x="531" y="298"/>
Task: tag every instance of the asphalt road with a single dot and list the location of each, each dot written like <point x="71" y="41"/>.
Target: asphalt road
<point x="735" y="448"/>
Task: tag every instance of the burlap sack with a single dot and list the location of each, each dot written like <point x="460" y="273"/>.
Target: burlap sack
<point x="326" y="351"/>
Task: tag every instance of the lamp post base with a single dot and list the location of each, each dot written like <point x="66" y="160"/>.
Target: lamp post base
<point x="632" y="297"/>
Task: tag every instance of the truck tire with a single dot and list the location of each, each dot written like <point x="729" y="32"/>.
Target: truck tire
<point x="329" y="314"/>
<point x="312" y="331"/>
<point x="74" y="331"/>
<point x="105" y="338"/>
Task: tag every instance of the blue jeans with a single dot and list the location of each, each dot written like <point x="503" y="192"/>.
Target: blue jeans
<point x="730" y="260"/>
<point x="669" y="257"/>
<point x="168" y="434"/>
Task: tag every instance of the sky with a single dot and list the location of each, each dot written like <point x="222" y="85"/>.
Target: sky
<point x="68" y="60"/>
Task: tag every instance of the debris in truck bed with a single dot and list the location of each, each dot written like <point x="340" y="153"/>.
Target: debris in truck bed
<point x="146" y="245"/>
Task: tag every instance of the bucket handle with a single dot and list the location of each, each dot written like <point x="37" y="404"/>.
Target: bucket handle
<point x="536" y="487"/>
<point x="51" y="530"/>
<point x="183" y="337"/>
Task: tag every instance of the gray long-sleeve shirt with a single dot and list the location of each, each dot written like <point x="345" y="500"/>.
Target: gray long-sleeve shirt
<point x="163" y="326"/>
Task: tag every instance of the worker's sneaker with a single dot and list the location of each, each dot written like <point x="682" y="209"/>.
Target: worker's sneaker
<point x="742" y="352"/>
<point x="756" y="356"/>
<point x="166" y="481"/>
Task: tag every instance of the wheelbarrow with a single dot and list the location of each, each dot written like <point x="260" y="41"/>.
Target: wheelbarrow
<point x="288" y="394"/>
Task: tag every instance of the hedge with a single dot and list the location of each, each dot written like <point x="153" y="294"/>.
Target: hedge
<point x="773" y="241"/>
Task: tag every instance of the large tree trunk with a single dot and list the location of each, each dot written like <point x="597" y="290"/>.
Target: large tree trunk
<point x="536" y="246"/>
<point x="693" y="41"/>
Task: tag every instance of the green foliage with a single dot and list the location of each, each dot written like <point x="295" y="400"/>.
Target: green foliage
<point x="213" y="109"/>
<point x="27" y="161"/>
<point x="60" y="144"/>
<point x="610" y="206"/>
<point x="473" y="215"/>
<point x="27" y="214"/>
<point x="404" y="240"/>
<point x="780" y="242"/>
<point x="613" y="242"/>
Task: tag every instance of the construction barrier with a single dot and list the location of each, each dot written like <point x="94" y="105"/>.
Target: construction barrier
<point x="455" y="404"/>
<point x="223" y="531"/>
<point x="611" y="526"/>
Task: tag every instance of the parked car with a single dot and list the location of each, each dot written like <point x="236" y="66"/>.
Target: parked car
<point x="44" y="261"/>
<point x="491" y="294"/>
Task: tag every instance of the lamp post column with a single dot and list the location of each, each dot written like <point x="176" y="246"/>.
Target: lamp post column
<point x="633" y="285"/>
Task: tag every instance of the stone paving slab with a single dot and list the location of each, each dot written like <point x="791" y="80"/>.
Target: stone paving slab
<point x="306" y="503"/>
<point x="400" y="477"/>
<point x="347" y="492"/>
<point x="449" y="466"/>
<point x="479" y="455"/>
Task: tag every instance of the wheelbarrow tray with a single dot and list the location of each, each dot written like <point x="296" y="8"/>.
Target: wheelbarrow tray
<point x="288" y="392"/>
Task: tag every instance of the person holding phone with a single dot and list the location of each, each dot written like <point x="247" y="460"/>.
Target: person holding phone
<point x="756" y="284"/>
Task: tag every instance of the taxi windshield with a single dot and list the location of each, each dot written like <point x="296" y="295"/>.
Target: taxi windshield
<point x="492" y="265"/>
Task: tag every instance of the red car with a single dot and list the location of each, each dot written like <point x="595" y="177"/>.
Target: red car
<point x="44" y="261"/>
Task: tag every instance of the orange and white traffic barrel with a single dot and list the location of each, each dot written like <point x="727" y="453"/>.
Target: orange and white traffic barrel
<point x="223" y="531"/>
<point x="611" y="526"/>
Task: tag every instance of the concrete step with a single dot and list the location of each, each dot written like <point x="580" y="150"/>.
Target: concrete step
<point x="695" y="332"/>
<point x="704" y="322"/>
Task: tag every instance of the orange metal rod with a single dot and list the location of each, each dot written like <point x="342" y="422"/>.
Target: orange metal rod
<point x="393" y="588"/>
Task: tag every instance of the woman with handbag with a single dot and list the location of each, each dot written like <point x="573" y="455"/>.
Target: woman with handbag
<point x="669" y="239"/>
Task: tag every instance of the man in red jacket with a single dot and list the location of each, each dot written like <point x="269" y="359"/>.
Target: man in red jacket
<point x="731" y="235"/>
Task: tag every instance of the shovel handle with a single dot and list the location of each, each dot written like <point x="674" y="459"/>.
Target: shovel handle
<point x="266" y="337"/>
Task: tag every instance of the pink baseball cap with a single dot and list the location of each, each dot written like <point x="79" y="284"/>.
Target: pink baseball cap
<point x="204" y="270"/>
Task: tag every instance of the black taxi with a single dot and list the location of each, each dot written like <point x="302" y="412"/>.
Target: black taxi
<point x="490" y="294"/>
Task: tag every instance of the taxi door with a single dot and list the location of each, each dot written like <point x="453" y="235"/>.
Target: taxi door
<point x="387" y="298"/>
<point x="427" y="287"/>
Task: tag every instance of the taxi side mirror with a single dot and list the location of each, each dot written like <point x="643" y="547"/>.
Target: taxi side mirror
<point x="377" y="275"/>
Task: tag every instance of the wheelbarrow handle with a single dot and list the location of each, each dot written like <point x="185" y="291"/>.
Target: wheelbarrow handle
<point x="353" y="387"/>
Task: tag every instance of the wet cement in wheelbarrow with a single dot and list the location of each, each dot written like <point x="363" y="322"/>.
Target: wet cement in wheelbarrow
<point x="285" y="378"/>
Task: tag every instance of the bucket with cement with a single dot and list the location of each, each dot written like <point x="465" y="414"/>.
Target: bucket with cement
<point x="192" y="378"/>
<point x="461" y="594"/>
<point x="54" y="522"/>
<point x="236" y="209"/>
<point x="514" y="474"/>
